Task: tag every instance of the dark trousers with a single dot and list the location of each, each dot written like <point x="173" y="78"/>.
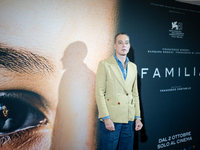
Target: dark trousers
<point x="120" y="139"/>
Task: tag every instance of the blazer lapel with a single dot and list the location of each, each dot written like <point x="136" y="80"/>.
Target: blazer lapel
<point x="117" y="72"/>
<point x="130" y="74"/>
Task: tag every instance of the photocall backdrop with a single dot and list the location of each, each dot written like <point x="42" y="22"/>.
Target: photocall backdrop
<point x="165" y="47"/>
<point x="49" y="53"/>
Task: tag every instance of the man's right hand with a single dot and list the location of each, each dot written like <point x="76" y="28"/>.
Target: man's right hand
<point x="109" y="124"/>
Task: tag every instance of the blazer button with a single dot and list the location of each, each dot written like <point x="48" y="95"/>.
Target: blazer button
<point x="126" y="94"/>
<point x="118" y="103"/>
<point x="107" y="99"/>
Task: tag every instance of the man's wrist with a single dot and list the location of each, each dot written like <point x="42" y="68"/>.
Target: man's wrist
<point x="137" y="118"/>
<point x="104" y="118"/>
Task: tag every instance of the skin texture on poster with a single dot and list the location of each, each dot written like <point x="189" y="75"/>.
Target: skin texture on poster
<point x="49" y="52"/>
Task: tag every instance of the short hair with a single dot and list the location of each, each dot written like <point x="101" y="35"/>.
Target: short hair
<point x="121" y="33"/>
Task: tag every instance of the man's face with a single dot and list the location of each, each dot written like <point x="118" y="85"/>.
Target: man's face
<point x="36" y="38"/>
<point x="122" y="45"/>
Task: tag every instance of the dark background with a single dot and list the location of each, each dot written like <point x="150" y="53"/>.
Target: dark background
<point x="165" y="114"/>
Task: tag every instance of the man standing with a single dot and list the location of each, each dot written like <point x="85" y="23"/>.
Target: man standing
<point x="117" y="98"/>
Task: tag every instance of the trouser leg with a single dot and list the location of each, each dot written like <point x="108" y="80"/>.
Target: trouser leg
<point x="126" y="139"/>
<point x="109" y="139"/>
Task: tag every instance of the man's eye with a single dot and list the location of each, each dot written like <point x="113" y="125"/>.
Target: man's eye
<point x="16" y="113"/>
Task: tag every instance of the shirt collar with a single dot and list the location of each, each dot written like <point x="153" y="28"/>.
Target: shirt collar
<point x="127" y="60"/>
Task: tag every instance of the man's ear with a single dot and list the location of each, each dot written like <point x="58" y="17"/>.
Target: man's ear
<point x="115" y="46"/>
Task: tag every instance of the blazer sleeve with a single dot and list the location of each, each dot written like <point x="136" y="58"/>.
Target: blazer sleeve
<point x="101" y="90"/>
<point x="135" y="94"/>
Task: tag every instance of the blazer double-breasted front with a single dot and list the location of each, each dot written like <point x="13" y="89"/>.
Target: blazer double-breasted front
<point x="116" y="97"/>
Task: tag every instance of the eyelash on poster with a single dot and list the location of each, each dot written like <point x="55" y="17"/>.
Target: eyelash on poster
<point x="6" y="138"/>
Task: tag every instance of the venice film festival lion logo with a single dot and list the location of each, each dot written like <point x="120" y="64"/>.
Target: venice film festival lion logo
<point x="176" y="30"/>
<point x="177" y="26"/>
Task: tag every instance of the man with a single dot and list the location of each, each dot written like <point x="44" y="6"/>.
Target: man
<point x="117" y="98"/>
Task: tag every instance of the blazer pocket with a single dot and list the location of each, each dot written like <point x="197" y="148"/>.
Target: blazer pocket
<point x="111" y="107"/>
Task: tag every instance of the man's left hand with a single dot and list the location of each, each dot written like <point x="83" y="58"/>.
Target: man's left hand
<point x="138" y="125"/>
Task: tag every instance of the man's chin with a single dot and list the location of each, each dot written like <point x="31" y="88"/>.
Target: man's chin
<point x="124" y="54"/>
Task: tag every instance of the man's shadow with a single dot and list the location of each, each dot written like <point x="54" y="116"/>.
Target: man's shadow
<point x="143" y="137"/>
<point x="76" y="114"/>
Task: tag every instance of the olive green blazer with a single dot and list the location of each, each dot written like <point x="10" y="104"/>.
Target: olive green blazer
<point x="116" y="97"/>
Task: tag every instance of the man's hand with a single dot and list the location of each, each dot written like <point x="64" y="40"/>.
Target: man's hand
<point x="109" y="124"/>
<point x="138" y="125"/>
